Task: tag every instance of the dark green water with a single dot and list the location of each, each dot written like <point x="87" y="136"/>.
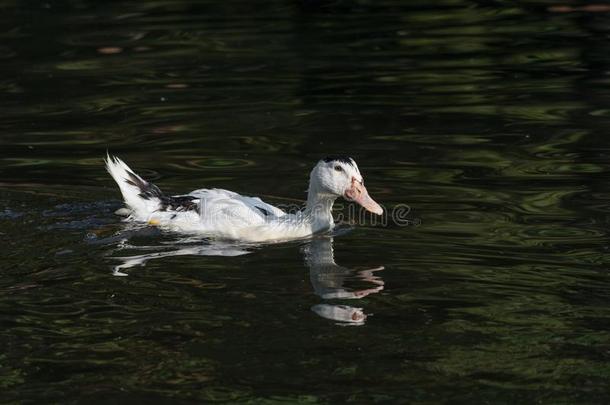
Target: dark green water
<point x="489" y="119"/>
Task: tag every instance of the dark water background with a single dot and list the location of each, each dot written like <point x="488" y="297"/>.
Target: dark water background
<point x="489" y="119"/>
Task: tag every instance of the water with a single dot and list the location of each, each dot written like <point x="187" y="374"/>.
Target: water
<point x="489" y="119"/>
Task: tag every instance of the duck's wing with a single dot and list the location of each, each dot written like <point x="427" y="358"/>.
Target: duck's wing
<point x="229" y="202"/>
<point x="215" y="212"/>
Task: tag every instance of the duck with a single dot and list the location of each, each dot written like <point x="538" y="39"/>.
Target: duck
<point x="227" y="215"/>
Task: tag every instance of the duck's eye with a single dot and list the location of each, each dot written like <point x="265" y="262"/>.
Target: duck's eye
<point x="338" y="168"/>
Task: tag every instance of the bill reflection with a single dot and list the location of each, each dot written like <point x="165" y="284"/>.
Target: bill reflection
<point x="330" y="281"/>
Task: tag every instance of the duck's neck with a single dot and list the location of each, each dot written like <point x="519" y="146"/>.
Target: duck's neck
<point x="319" y="208"/>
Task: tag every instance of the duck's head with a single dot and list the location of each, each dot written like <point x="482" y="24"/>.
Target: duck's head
<point x="340" y="177"/>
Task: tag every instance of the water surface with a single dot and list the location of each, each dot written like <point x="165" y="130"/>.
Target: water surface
<point x="489" y="119"/>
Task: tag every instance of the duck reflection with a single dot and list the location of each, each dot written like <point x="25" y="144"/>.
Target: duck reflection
<point x="328" y="279"/>
<point x="183" y="247"/>
<point x="205" y="250"/>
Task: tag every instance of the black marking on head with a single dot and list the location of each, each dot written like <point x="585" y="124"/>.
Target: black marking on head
<point x="179" y="204"/>
<point x="343" y="159"/>
<point x="174" y="216"/>
<point x="263" y="211"/>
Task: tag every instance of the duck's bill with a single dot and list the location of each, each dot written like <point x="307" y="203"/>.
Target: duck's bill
<point x="358" y="194"/>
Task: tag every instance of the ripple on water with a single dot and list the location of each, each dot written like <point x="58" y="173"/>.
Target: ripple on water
<point x="487" y="119"/>
<point x="212" y="163"/>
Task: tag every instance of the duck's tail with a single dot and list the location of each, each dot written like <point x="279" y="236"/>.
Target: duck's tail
<point x="141" y="197"/>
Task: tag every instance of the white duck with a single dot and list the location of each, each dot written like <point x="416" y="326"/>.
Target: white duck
<point x="227" y="215"/>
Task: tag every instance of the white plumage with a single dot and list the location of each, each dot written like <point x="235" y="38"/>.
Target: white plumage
<point x="225" y="214"/>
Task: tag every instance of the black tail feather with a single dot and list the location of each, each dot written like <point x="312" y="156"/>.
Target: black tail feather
<point x="147" y="190"/>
